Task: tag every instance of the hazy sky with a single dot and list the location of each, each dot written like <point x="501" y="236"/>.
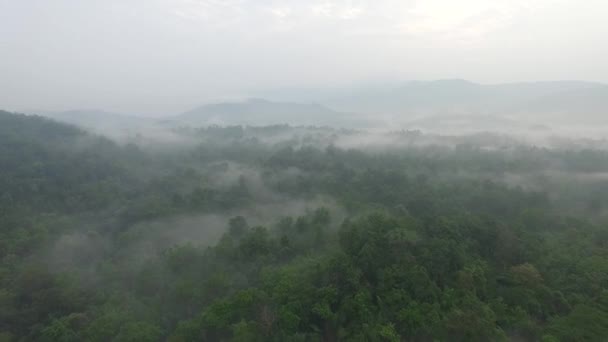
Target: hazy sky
<point x="164" y="56"/>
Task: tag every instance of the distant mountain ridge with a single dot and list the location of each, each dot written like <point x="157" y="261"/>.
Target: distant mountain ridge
<point x="560" y="98"/>
<point x="530" y="103"/>
<point x="257" y="111"/>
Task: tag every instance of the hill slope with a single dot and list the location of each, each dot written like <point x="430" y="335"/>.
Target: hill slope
<point x="49" y="165"/>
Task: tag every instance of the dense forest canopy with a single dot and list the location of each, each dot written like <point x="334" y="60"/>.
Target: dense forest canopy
<point x="283" y="233"/>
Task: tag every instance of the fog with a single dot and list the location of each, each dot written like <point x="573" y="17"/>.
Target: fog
<point x="138" y="71"/>
<point x="239" y="170"/>
<point x="164" y="57"/>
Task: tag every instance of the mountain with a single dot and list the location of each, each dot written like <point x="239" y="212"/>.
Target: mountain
<point x="264" y="112"/>
<point x="537" y="100"/>
<point x="447" y="103"/>
<point x="588" y="104"/>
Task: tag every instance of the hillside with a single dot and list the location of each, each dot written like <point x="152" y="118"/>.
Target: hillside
<point x="47" y="165"/>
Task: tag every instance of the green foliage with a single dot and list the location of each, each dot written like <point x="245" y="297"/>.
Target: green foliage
<point x="97" y="241"/>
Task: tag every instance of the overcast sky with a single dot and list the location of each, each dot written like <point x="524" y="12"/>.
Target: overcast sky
<point x="165" y="56"/>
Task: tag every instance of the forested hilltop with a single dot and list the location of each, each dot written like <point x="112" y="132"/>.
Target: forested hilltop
<point x="283" y="233"/>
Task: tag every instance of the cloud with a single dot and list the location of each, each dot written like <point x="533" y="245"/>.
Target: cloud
<point x="435" y="19"/>
<point x="163" y="56"/>
<point x="280" y="12"/>
<point x="338" y="10"/>
<point x="465" y="21"/>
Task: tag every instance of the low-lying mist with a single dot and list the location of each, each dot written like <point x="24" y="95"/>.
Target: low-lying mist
<point x="167" y="229"/>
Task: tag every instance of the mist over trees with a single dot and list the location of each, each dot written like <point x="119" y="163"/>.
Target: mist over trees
<point x="299" y="233"/>
<point x="303" y="171"/>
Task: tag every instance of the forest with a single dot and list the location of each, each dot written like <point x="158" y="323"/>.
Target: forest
<point x="299" y="233"/>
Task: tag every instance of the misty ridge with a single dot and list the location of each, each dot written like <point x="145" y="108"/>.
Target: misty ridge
<point x="535" y="110"/>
